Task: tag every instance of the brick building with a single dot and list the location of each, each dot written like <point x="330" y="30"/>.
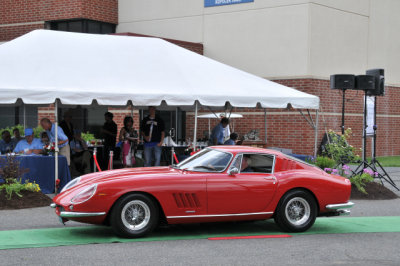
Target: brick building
<point x="298" y="44"/>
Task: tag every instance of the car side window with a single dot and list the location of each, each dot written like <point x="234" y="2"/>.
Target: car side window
<point x="257" y="163"/>
<point x="236" y="162"/>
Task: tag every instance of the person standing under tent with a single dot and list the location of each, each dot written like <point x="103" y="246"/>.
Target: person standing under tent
<point x="129" y="137"/>
<point x="62" y="139"/>
<point x="217" y="134"/>
<point x="109" y="131"/>
<point x="152" y="130"/>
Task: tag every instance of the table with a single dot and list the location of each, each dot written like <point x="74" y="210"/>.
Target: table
<point x="41" y="170"/>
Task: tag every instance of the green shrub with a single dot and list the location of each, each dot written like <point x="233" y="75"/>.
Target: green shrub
<point x="10" y="169"/>
<point x="324" y="162"/>
<point x="361" y="180"/>
<point x="16" y="187"/>
<point x="338" y="148"/>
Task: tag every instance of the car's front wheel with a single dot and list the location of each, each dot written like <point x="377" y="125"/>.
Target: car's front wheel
<point x="296" y="211"/>
<point x="134" y="215"/>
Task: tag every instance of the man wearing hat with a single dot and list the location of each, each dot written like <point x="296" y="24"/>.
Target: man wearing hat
<point x="30" y="144"/>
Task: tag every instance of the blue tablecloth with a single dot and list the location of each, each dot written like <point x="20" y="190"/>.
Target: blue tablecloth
<point x="41" y="170"/>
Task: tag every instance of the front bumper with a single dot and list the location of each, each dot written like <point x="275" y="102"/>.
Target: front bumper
<point x="65" y="214"/>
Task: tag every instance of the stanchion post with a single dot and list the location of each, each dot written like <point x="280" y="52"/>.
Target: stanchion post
<point x="110" y="163"/>
<point x="94" y="159"/>
<point x="172" y="155"/>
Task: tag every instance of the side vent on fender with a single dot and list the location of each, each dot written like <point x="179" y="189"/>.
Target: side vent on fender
<point x="186" y="200"/>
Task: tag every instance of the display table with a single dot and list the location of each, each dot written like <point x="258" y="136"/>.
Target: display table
<point x="42" y="169"/>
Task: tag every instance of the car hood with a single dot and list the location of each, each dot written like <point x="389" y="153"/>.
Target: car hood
<point x="130" y="173"/>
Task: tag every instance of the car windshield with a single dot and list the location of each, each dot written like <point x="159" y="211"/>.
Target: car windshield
<point x="207" y="160"/>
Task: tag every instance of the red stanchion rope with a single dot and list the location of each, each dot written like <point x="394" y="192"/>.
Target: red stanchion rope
<point x="176" y="158"/>
<point x="97" y="164"/>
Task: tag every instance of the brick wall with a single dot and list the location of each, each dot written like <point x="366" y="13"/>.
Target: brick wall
<point x="288" y="129"/>
<point x="14" y="13"/>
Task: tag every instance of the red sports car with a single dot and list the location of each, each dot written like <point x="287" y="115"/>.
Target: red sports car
<point x="224" y="183"/>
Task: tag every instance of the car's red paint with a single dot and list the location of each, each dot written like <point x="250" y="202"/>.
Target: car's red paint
<point x="188" y="196"/>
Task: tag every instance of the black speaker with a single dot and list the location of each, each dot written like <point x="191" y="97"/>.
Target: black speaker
<point x="342" y="81"/>
<point x="379" y="75"/>
<point x="365" y="82"/>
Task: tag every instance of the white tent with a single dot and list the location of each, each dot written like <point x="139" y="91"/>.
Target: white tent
<point x="46" y="66"/>
<point x="78" y="68"/>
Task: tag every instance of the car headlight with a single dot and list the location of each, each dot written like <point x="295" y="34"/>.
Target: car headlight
<point x="71" y="184"/>
<point x="84" y="195"/>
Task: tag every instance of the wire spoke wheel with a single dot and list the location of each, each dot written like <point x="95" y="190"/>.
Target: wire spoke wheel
<point x="135" y="215"/>
<point x="297" y="211"/>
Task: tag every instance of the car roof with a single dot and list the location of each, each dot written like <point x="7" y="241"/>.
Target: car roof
<point x="244" y="149"/>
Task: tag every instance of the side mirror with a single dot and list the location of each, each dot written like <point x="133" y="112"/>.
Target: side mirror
<point x="233" y="171"/>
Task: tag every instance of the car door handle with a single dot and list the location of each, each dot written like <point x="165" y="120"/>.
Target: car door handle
<point x="270" y="178"/>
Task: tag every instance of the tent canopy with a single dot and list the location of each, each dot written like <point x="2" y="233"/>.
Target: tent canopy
<point x="78" y="68"/>
<point x="220" y="115"/>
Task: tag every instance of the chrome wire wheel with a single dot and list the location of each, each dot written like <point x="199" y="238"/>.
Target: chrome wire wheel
<point x="297" y="211"/>
<point x="135" y="215"/>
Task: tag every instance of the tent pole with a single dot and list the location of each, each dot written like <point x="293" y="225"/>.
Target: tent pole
<point x="195" y="127"/>
<point x="209" y="129"/>
<point x="176" y="125"/>
<point x="316" y="134"/>
<point x="24" y="115"/>
<point x="265" y="126"/>
<point x="56" y="146"/>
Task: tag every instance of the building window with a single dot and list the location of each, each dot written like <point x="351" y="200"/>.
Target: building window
<point x="81" y="25"/>
<point x="11" y="116"/>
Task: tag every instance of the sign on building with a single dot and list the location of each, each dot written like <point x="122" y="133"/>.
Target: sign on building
<point x="209" y="3"/>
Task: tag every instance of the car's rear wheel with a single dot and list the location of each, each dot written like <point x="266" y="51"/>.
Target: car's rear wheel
<point x="134" y="215"/>
<point x="296" y="211"/>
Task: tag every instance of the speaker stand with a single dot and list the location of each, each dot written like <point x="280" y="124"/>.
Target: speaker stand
<point x="343" y="108"/>
<point x="365" y="164"/>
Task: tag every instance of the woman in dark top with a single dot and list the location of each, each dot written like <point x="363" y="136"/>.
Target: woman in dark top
<point x="129" y="137"/>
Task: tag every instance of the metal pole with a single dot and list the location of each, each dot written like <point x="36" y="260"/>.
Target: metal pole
<point x="24" y="115"/>
<point x="94" y="159"/>
<point x="195" y="127"/>
<point x="172" y="155"/>
<point x="176" y="125"/>
<point x="111" y="162"/>
<point x="265" y="125"/>
<point x="364" y="143"/>
<point x="316" y="133"/>
<point x="56" y="146"/>
<point x="343" y="109"/>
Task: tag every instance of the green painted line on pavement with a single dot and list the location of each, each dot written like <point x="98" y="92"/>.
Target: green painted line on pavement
<point x="67" y="236"/>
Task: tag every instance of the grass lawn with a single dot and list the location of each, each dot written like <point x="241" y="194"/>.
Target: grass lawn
<point x="388" y="161"/>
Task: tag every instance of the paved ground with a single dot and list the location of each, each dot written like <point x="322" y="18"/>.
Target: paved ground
<point x="337" y="249"/>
